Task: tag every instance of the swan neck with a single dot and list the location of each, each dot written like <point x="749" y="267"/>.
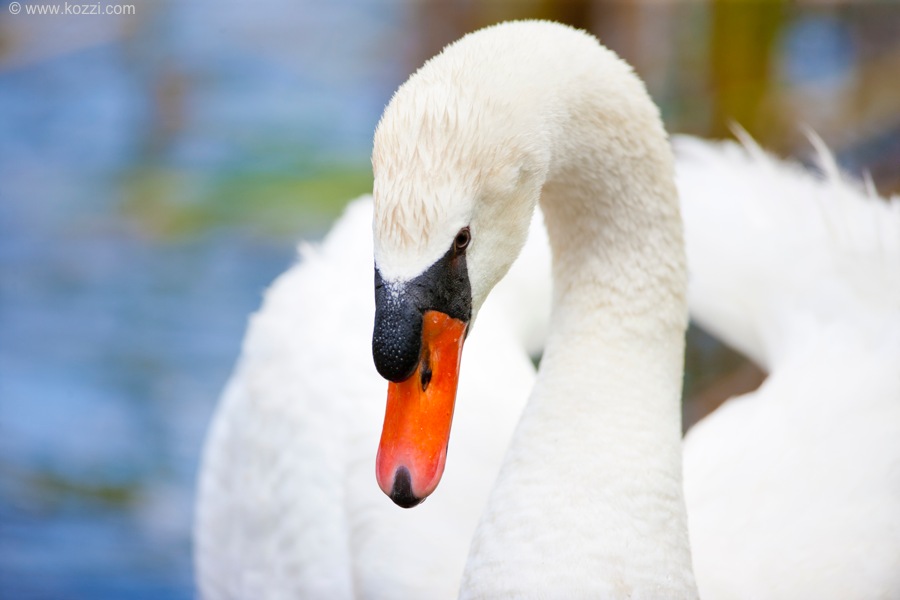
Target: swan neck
<point x="589" y="500"/>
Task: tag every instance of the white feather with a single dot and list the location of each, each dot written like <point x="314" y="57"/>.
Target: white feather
<point x="793" y="491"/>
<point x="288" y="506"/>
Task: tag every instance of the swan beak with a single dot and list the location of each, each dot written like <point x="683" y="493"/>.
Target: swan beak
<point x="419" y="412"/>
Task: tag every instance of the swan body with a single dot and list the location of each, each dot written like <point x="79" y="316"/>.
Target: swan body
<point x="793" y="490"/>
<point x="589" y="499"/>
<point x="287" y="502"/>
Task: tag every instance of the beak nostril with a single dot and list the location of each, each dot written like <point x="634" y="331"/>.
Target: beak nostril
<point x="425" y="370"/>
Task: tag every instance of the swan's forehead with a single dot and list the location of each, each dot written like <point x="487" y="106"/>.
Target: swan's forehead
<point x="414" y="226"/>
<point x="433" y="164"/>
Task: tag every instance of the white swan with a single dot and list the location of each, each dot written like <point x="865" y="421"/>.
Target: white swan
<point x="793" y="491"/>
<point x="588" y="503"/>
<point x="287" y="503"/>
<point x="589" y="500"/>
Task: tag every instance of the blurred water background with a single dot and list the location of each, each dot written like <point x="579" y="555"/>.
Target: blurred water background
<point x="157" y="169"/>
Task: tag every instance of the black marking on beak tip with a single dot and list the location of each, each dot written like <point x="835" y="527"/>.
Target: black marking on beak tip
<point x="399" y="306"/>
<point x="401" y="492"/>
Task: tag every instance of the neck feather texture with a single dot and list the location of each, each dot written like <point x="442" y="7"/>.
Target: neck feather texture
<point x="589" y="500"/>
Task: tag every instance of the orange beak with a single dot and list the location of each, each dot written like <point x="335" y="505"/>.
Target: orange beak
<point x="419" y="412"/>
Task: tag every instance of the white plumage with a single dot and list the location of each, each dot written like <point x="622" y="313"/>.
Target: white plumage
<point x="792" y="491"/>
<point x="588" y="503"/>
<point x="288" y="506"/>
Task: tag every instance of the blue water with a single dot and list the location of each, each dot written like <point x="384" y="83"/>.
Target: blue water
<point x="114" y="347"/>
<point x="113" y="352"/>
<point x="119" y="327"/>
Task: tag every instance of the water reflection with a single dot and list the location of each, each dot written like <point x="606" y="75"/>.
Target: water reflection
<point x="114" y="349"/>
<point x="149" y="194"/>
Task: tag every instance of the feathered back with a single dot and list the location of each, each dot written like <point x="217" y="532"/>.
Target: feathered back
<point x="775" y="249"/>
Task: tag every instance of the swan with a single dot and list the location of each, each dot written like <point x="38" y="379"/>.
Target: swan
<point x="287" y="505"/>
<point x="793" y="491"/>
<point x="588" y="502"/>
<point x="589" y="499"/>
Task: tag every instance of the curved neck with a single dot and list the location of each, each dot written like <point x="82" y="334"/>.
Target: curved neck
<point x="589" y="500"/>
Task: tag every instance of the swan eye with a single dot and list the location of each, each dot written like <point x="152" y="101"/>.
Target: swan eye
<point x="462" y="240"/>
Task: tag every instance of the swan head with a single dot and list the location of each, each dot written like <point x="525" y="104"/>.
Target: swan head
<point x="456" y="183"/>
